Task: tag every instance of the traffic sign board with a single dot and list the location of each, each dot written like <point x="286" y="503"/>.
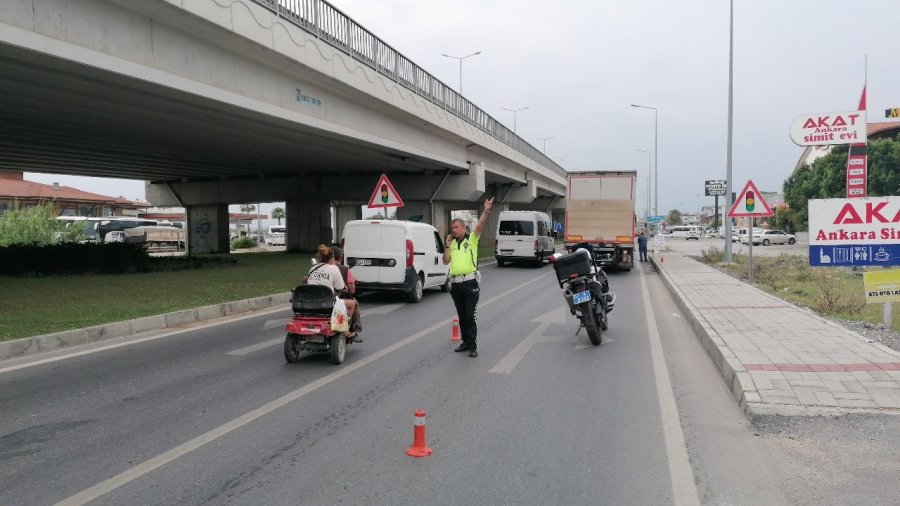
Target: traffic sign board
<point x="750" y="204"/>
<point x="655" y="219"/>
<point x="385" y="195"/>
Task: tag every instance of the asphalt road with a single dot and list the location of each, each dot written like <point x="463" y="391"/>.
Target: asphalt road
<point x="214" y="415"/>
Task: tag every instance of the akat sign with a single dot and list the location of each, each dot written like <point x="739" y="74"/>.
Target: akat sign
<point x="829" y="128"/>
<point x="848" y="232"/>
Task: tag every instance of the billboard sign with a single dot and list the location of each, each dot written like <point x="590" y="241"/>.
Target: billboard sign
<point x="715" y="187"/>
<point x="829" y="128"/>
<point x="854" y="232"/>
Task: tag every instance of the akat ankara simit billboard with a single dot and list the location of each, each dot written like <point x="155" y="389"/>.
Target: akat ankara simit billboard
<point x="848" y="232"/>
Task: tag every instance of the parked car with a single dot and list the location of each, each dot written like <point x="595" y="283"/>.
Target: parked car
<point x="692" y="234"/>
<point x="768" y="237"/>
<point x="524" y="236"/>
<point x="395" y="255"/>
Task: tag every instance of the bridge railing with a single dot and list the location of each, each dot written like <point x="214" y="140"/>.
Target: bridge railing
<point x="328" y="23"/>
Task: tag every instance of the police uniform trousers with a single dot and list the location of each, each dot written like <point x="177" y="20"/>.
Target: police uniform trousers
<point x="465" y="298"/>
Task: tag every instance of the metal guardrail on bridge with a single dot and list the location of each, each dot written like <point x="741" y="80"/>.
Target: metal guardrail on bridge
<point x="328" y="23"/>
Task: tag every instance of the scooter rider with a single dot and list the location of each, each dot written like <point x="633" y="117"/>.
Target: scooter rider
<point x="325" y="273"/>
<point x="461" y="254"/>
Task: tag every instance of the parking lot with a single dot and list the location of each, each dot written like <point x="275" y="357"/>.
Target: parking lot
<point x="695" y="247"/>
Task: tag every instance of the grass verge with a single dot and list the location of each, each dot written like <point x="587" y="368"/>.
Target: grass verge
<point x="40" y="305"/>
<point x="832" y="291"/>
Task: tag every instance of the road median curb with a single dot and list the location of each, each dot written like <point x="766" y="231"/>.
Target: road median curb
<point x="49" y="342"/>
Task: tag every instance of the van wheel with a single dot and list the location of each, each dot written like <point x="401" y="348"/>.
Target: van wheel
<point x="500" y="263"/>
<point x="416" y="294"/>
<point x="446" y="286"/>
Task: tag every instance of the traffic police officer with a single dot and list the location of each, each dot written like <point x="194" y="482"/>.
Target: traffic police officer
<point x="462" y="255"/>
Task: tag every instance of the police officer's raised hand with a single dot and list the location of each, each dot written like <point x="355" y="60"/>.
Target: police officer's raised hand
<point x="449" y="241"/>
<point x="488" y="204"/>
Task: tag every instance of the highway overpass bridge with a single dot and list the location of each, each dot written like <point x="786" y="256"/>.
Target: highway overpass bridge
<point x="215" y="102"/>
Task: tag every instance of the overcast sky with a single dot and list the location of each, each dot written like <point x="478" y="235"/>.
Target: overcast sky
<point x="577" y="65"/>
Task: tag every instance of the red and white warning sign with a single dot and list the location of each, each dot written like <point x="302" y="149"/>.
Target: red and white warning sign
<point x="750" y="204"/>
<point x="385" y="195"/>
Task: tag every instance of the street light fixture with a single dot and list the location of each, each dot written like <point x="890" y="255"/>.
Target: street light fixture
<point x="515" y="111"/>
<point x="655" y="155"/>
<point x="461" y="58"/>
<point x="545" y="143"/>
<point x="649" y="158"/>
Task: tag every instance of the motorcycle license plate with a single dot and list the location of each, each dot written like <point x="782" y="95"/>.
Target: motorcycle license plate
<point x="582" y="297"/>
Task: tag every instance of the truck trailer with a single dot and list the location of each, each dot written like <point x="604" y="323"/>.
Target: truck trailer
<point x="600" y="215"/>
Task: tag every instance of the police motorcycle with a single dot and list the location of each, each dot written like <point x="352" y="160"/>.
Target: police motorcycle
<point x="586" y="290"/>
<point x="310" y="329"/>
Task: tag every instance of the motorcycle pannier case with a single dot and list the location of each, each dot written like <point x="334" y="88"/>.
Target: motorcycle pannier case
<point x="578" y="263"/>
<point x="312" y="300"/>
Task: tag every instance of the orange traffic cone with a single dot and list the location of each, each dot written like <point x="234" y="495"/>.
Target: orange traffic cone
<point x="419" y="448"/>
<point x="454" y="336"/>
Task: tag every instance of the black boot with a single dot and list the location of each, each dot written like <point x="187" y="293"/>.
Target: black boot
<point x="473" y="352"/>
<point x="462" y="347"/>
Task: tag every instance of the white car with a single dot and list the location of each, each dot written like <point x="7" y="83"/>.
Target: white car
<point x="768" y="237"/>
<point x="693" y="234"/>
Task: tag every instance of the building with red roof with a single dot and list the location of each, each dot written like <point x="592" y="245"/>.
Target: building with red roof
<point x="15" y="192"/>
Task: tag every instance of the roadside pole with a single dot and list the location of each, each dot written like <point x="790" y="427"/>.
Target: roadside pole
<point x="750" y="250"/>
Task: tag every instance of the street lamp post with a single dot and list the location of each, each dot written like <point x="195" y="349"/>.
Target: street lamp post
<point x="515" y="113"/>
<point x="461" y="58"/>
<point x="728" y="199"/>
<point x="655" y="155"/>
<point x="649" y="157"/>
<point x="545" y="143"/>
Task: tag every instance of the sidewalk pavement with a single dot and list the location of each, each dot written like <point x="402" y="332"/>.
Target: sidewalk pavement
<point x="778" y="358"/>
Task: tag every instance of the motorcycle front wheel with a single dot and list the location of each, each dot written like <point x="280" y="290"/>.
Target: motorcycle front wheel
<point x="590" y="322"/>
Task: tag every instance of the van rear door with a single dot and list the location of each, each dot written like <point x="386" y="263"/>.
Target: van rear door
<point x="362" y="250"/>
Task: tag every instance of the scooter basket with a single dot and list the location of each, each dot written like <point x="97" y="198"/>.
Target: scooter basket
<point x="578" y="263"/>
<point x="313" y="300"/>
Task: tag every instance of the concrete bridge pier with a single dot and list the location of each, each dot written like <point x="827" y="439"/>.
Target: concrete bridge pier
<point x="342" y="214"/>
<point x="207" y="229"/>
<point x="308" y="224"/>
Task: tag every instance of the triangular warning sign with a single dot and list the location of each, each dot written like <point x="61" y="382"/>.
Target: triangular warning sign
<point x="385" y="195"/>
<point x="750" y="204"/>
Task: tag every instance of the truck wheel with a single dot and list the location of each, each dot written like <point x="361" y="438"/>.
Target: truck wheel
<point x="500" y="263"/>
<point x="416" y="294"/>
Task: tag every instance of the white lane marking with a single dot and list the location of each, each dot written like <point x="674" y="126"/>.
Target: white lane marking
<point x="681" y="474"/>
<point x="164" y="458"/>
<point x="254" y="314"/>
<point x="385" y="309"/>
<point x="271" y="324"/>
<point x="512" y="359"/>
<point x="256" y="347"/>
<point x="515" y="355"/>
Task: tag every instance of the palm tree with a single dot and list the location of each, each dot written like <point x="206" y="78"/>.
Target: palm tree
<point x="674" y="217"/>
<point x="278" y="214"/>
<point x="247" y="208"/>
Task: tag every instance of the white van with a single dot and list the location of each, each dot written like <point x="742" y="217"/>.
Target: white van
<point x="275" y="235"/>
<point x="402" y="256"/>
<point x="524" y="235"/>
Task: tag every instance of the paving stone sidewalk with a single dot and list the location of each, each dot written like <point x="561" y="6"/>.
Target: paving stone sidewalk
<point x="778" y="358"/>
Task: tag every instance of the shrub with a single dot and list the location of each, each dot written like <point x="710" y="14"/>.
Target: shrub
<point x="36" y="226"/>
<point x="712" y="255"/>
<point x="243" y="243"/>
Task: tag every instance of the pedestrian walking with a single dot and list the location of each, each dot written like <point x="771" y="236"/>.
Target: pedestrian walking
<point x="642" y="246"/>
<point x="461" y="254"/>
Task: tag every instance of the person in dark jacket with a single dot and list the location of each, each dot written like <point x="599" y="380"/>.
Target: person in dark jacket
<point x="642" y="246"/>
